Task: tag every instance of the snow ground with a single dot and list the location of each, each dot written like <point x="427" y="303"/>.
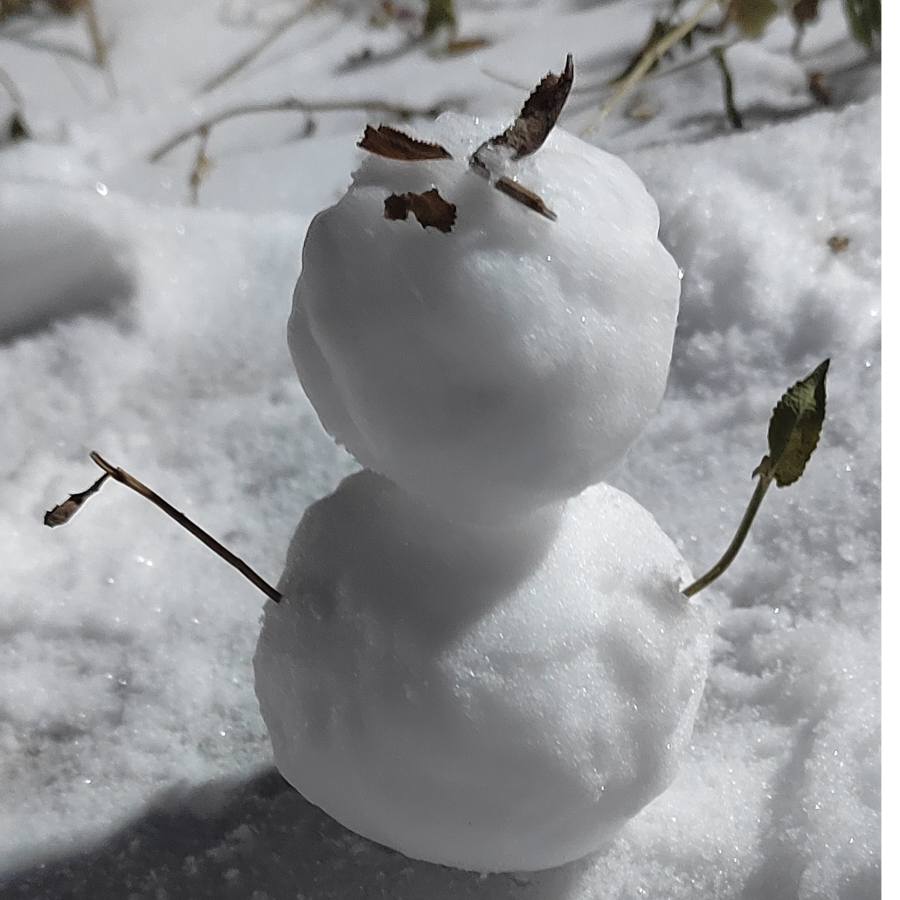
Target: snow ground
<point x="133" y="758"/>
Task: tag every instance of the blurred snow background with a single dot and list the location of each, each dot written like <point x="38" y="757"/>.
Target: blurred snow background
<point x="133" y="761"/>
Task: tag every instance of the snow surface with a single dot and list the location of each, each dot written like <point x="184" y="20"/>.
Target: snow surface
<point x="496" y="699"/>
<point x="507" y="363"/>
<point x="133" y="757"/>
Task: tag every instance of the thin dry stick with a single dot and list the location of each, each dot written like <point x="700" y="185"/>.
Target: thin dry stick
<point x="673" y="69"/>
<point x="509" y="82"/>
<point x="12" y="89"/>
<point x="653" y="55"/>
<point x="123" y="477"/>
<point x="17" y="127"/>
<point x="246" y="58"/>
<point x="202" y="164"/>
<point x="731" y="110"/>
<point x="96" y="35"/>
<point x="294" y="104"/>
<point x="101" y="55"/>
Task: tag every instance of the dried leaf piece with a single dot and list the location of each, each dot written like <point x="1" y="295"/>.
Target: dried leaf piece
<point x="429" y="208"/>
<point x="17" y="130"/>
<point x="538" y="116"/>
<point x="13" y="7"/>
<point x="62" y="512"/>
<point x="67" y="7"/>
<point x="751" y="16"/>
<point x="818" y="87"/>
<point x="794" y="429"/>
<point x="838" y="243"/>
<point x="395" y="144"/>
<point x="642" y="111"/>
<point x="524" y="196"/>
<point x="804" y="11"/>
<point x="459" y="46"/>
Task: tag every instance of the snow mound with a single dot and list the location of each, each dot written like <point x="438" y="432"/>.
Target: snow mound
<point x="508" y="363"/>
<point x="56" y="266"/>
<point x="493" y="700"/>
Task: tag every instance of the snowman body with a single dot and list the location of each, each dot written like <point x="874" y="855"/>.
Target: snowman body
<point x="482" y="657"/>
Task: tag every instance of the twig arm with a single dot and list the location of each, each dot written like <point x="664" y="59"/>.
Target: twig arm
<point x="130" y="481"/>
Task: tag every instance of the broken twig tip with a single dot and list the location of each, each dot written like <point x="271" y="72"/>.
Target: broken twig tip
<point x="100" y="461"/>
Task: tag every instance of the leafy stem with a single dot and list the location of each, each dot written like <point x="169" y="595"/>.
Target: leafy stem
<point x="648" y="60"/>
<point x="794" y="431"/>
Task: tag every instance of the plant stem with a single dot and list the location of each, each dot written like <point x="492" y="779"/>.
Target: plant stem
<point x="248" y="56"/>
<point x="653" y="55"/>
<point x="12" y="89"/>
<point x="96" y="35"/>
<point x="130" y="481"/>
<point x="734" y="115"/>
<point x="737" y="542"/>
<point x="295" y="104"/>
<point x="201" y="165"/>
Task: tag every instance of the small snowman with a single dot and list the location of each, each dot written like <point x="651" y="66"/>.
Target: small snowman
<point x="482" y="656"/>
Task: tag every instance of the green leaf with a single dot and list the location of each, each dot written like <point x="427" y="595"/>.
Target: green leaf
<point x="864" y="18"/>
<point x="751" y="16"/>
<point x="794" y="429"/>
<point x="439" y="14"/>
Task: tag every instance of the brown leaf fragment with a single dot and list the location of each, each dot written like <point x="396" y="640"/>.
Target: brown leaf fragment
<point x="61" y="513"/>
<point x="17" y="130"/>
<point x="524" y="196"/>
<point x="804" y="11"/>
<point x="13" y="7"/>
<point x="751" y="16"/>
<point x="67" y="7"/>
<point x="429" y="208"/>
<point x="394" y="144"/>
<point x="642" y="110"/>
<point x="838" y="243"/>
<point x="538" y="115"/>
<point x="819" y="88"/>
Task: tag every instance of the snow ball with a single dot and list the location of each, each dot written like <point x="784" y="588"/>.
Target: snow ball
<point x="494" y="700"/>
<point x="507" y="363"/>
